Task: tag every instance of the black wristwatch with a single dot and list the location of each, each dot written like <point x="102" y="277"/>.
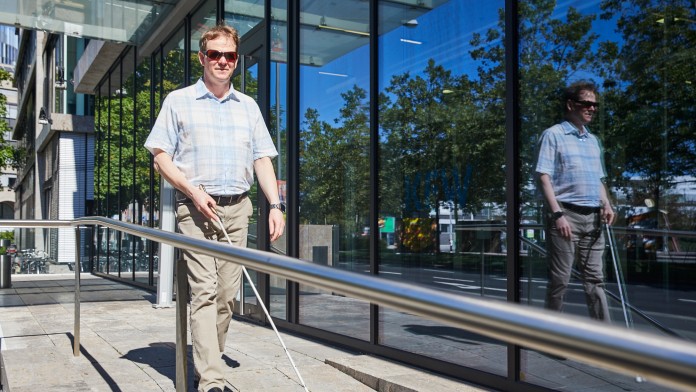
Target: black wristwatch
<point x="279" y="206"/>
<point x="555" y="215"/>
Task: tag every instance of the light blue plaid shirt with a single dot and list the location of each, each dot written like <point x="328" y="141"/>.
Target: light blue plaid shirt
<point x="574" y="163"/>
<point x="214" y="142"/>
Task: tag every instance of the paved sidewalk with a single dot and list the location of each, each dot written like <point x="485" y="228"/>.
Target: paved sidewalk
<point x="127" y="345"/>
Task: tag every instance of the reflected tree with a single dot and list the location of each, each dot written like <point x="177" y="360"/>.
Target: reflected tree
<point x="334" y="165"/>
<point x="115" y="148"/>
<point x="650" y="91"/>
<point x="10" y="156"/>
<point x="430" y="138"/>
<point x="552" y="52"/>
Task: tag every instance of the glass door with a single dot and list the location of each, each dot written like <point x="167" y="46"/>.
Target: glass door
<point x="249" y="79"/>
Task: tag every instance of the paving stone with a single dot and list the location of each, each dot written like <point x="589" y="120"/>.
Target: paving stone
<point x="128" y="345"/>
<point x="26" y="342"/>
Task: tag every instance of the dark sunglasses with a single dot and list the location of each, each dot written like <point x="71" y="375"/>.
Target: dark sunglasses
<point x="216" y="55"/>
<point x="587" y="104"/>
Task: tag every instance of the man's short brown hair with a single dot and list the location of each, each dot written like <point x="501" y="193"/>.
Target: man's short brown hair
<point x="572" y="92"/>
<point x="216" y="31"/>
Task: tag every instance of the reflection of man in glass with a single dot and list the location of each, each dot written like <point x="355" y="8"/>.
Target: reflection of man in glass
<point x="209" y="134"/>
<point x="571" y="170"/>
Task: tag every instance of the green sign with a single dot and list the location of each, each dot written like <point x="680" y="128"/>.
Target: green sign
<point x="387" y="224"/>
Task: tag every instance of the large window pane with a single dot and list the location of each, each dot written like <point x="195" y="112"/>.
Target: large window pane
<point x="640" y="55"/>
<point x="173" y="64"/>
<point x="202" y="20"/>
<point x="442" y="182"/>
<point x="246" y="80"/>
<point x="113" y="166"/>
<point x="334" y="158"/>
<point x="100" y="185"/>
<point x="156" y="103"/>
<point x="145" y="256"/>
<point x="121" y="126"/>
<point x="243" y="15"/>
<point x="130" y="205"/>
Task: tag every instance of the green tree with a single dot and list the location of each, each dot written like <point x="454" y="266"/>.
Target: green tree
<point x="10" y="156"/>
<point x="334" y="165"/>
<point x="552" y="52"/>
<point x="428" y="140"/>
<point x="650" y="94"/>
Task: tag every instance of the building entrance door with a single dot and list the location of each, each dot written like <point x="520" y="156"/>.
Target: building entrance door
<point x="251" y="78"/>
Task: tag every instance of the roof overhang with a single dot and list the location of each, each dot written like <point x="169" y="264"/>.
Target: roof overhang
<point x="335" y="30"/>
<point x="126" y="21"/>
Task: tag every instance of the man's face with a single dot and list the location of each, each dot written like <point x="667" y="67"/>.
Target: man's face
<point x="583" y="108"/>
<point x="221" y="69"/>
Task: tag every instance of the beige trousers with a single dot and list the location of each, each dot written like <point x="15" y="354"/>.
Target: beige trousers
<point x="586" y="250"/>
<point x="214" y="285"/>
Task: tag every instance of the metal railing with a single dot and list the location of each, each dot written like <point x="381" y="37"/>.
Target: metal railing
<point x="577" y="275"/>
<point x="662" y="359"/>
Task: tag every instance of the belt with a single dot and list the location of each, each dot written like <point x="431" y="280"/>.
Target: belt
<point x="582" y="210"/>
<point x="219" y="200"/>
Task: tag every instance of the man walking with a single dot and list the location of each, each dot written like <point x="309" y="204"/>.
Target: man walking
<point x="207" y="142"/>
<point x="571" y="173"/>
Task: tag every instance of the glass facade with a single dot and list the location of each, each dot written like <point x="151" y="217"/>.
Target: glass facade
<point x="638" y="53"/>
<point x="407" y="137"/>
<point x="441" y="186"/>
<point x="334" y="167"/>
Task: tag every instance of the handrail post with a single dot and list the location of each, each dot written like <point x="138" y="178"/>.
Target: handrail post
<point x="181" y="328"/>
<point x="76" y="327"/>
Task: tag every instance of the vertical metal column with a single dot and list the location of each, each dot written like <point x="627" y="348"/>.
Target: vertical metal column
<point x="181" y="329"/>
<point x="293" y="153"/>
<point x="374" y="162"/>
<point x="76" y="326"/>
<point x="512" y="173"/>
<point x="167" y="254"/>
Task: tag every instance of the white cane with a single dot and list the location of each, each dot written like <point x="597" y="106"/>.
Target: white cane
<point x="268" y="316"/>
<point x="619" y="275"/>
<point x="620" y="281"/>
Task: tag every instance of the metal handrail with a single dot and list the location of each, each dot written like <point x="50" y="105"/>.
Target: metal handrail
<point x="577" y="275"/>
<point x="661" y="359"/>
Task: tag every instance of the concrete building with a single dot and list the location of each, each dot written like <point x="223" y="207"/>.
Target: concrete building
<point x="9" y="48"/>
<point x="9" y="45"/>
<point x="56" y="130"/>
<point x="8" y="175"/>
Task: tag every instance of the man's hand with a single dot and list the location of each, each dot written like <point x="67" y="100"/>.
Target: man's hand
<point x="563" y="227"/>
<point x="204" y="203"/>
<point x="276" y="223"/>
<point x="608" y="215"/>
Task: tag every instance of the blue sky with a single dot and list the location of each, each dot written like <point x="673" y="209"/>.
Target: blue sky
<point x="442" y="34"/>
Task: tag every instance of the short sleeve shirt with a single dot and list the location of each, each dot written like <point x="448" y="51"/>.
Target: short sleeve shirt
<point x="574" y="162"/>
<point x="213" y="141"/>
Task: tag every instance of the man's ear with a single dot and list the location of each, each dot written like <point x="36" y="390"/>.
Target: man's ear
<point x="201" y="58"/>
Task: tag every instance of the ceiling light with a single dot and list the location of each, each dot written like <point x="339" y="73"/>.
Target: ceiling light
<point x="333" y="74"/>
<point x="410" y="41"/>
<point x="360" y="33"/>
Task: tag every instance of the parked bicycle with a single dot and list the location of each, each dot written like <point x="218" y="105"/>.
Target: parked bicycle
<point x="31" y="261"/>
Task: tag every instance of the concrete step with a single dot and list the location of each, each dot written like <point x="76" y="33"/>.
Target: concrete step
<point x="387" y="376"/>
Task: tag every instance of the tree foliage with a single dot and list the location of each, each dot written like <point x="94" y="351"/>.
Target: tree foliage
<point x="10" y="155"/>
<point x="649" y="82"/>
<point x="334" y="165"/>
